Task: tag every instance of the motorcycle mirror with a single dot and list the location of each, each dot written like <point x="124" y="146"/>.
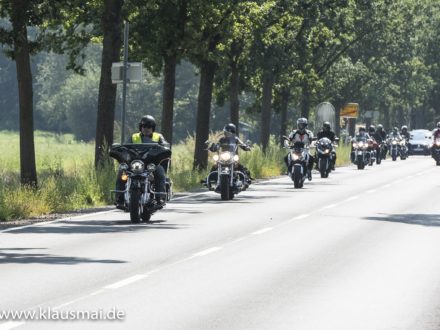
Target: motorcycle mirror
<point x="207" y="142"/>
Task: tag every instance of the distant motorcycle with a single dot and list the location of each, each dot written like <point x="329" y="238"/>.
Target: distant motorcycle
<point x="138" y="163"/>
<point x="297" y="160"/>
<point x="436" y="151"/>
<point x="381" y="152"/>
<point x="394" y="148"/>
<point x="360" y="155"/>
<point x="403" y="150"/>
<point x="324" y="156"/>
<point x="226" y="178"/>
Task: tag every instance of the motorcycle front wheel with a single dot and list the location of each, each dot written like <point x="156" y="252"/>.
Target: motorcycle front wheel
<point x="224" y="187"/>
<point x="323" y="168"/>
<point x="297" y="177"/>
<point x="134" y="206"/>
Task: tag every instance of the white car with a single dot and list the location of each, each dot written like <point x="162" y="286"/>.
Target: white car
<point x="420" y="142"/>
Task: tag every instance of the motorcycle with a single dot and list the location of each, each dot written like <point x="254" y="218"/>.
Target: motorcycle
<point x="394" y="148"/>
<point x="360" y="155"/>
<point x="226" y="177"/>
<point x="380" y="152"/>
<point x="372" y="149"/>
<point x="138" y="163"/>
<point x="297" y="160"/>
<point x="324" y="156"/>
<point x="403" y="150"/>
<point x="436" y="151"/>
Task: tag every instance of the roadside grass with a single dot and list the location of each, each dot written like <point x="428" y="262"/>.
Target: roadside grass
<point x="68" y="181"/>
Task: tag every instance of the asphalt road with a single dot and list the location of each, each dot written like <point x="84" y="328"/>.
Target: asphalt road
<point x="359" y="250"/>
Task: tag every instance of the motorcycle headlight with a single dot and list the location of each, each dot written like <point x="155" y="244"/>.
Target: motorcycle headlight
<point x="394" y="142"/>
<point x="215" y="157"/>
<point x="326" y="151"/>
<point x="355" y="145"/>
<point x="236" y="158"/>
<point x="137" y="166"/>
<point x="151" y="167"/>
<point x="225" y="156"/>
<point x="295" y="156"/>
<point x="437" y="143"/>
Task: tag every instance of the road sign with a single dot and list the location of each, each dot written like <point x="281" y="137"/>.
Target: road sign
<point x="350" y="110"/>
<point x="134" y="72"/>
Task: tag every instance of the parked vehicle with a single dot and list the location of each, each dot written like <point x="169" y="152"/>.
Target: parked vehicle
<point x="420" y="142"/>
<point x="138" y="162"/>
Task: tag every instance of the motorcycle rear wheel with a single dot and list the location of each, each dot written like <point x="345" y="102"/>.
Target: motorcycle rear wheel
<point x="297" y="177"/>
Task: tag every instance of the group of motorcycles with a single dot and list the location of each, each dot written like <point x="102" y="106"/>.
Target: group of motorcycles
<point x="366" y="151"/>
<point x="229" y="178"/>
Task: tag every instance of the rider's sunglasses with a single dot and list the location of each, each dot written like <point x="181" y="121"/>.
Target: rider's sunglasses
<point x="147" y="126"/>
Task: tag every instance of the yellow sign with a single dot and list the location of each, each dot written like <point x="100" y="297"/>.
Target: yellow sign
<point x="350" y="110"/>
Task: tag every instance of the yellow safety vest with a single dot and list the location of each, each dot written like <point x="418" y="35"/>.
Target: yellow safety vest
<point x="137" y="138"/>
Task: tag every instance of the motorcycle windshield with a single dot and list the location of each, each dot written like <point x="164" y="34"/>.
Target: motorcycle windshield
<point x="231" y="147"/>
<point x="147" y="152"/>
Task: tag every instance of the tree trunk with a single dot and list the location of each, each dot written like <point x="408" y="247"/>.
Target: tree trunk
<point x="386" y="114"/>
<point x="283" y="114"/>
<point x="169" y="85"/>
<point x="112" y="31"/>
<point x="207" y="71"/>
<point x="233" y="95"/>
<point x="28" y="170"/>
<point x="266" y="108"/>
<point x="305" y="104"/>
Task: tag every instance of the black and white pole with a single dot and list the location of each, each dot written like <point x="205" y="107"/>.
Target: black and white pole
<point x="124" y="81"/>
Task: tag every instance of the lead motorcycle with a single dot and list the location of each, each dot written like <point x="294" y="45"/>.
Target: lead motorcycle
<point x="226" y="177"/>
<point x="297" y="162"/>
<point x="324" y="156"/>
<point x="360" y="154"/>
<point x="138" y="163"/>
<point x="436" y="151"/>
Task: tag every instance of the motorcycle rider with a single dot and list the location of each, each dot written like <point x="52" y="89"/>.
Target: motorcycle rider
<point x="395" y="134"/>
<point x="147" y="134"/>
<point x="328" y="133"/>
<point x="404" y="132"/>
<point x="230" y="138"/>
<point x="302" y="134"/>
<point x="381" y="136"/>
<point x="435" y="136"/>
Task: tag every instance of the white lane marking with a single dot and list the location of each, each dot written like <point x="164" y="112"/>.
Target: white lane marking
<point x="125" y="282"/>
<point x="302" y="216"/>
<point x="329" y="206"/>
<point x="11" y="325"/>
<point x="352" y="198"/>
<point x="371" y="191"/>
<point x="57" y="220"/>
<point x="262" y="231"/>
<point x="207" y="251"/>
<point x="96" y="293"/>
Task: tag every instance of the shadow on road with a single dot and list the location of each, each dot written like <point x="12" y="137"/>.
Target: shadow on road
<point x="430" y="220"/>
<point x="96" y="227"/>
<point x="18" y="257"/>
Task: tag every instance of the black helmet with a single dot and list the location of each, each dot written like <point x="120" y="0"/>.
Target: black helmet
<point x="404" y="128"/>
<point x="229" y="129"/>
<point x="326" y="126"/>
<point x="380" y="127"/>
<point x="371" y="129"/>
<point x="438" y="124"/>
<point x="302" y="124"/>
<point x="147" y="121"/>
<point x="362" y="129"/>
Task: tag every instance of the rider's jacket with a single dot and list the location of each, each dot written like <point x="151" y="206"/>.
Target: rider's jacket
<point x="378" y="137"/>
<point x="297" y="136"/>
<point x="395" y="136"/>
<point x="436" y="133"/>
<point x="328" y="134"/>
<point x="405" y="135"/>
<point x="153" y="138"/>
